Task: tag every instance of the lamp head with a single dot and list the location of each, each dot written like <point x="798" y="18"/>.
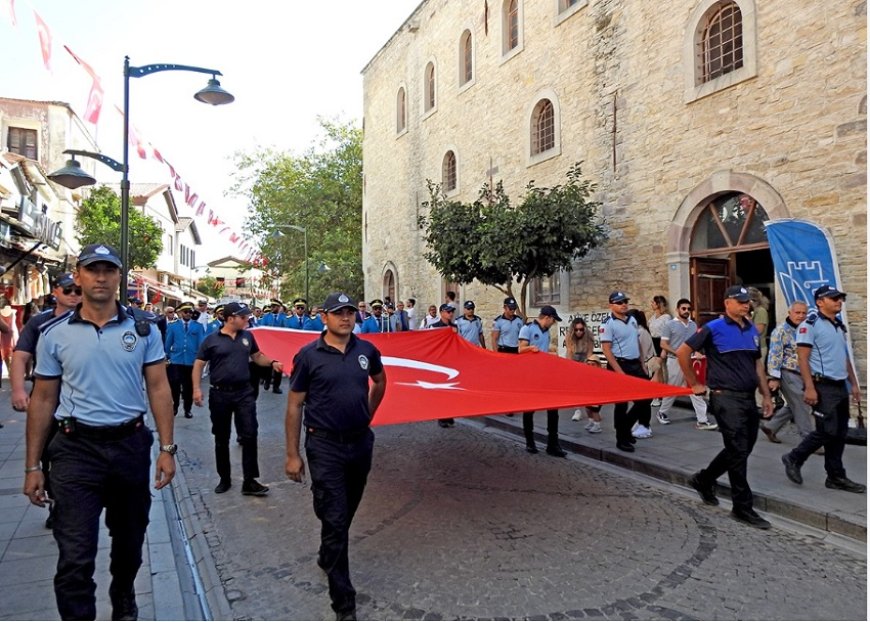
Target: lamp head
<point x="213" y="94"/>
<point x="72" y="176"/>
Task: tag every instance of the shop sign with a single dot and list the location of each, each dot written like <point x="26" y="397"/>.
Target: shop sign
<point x="38" y="225"/>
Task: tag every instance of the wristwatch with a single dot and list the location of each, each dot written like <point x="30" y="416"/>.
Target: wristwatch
<point x="170" y="449"/>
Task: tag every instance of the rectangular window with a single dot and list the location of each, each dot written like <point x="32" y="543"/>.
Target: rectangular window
<point x="22" y="142"/>
<point x="547" y="290"/>
<point x="240" y="282"/>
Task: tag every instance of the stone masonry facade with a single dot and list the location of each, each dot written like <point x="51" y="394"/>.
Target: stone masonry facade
<point x="789" y="128"/>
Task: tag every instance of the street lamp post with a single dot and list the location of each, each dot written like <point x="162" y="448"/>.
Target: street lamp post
<point x="305" y="249"/>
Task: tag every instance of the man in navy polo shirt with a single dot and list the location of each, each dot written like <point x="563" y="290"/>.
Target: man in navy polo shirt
<point x="228" y="351"/>
<point x="734" y="371"/>
<point x="90" y="365"/>
<point x="823" y="357"/>
<point x="535" y="337"/>
<point x="331" y="378"/>
<point x="446" y="312"/>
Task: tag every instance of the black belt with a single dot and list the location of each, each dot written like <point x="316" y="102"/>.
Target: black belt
<point x="227" y="388"/>
<point x="73" y="427"/>
<point x="820" y="379"/>
<point x="338" y="437"/>
<point x="511" y="349"/>
<point x="749" y="395"/>
<point x="622" y="360"/>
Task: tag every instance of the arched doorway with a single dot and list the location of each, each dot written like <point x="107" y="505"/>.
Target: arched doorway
<point x="729" y="245"/>
<point x="389" y="285"/>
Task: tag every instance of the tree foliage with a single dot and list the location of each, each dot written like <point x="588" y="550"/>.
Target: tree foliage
<point x="210" y="286"/>
<point x="98" y="221"/>
<point x="500" y="244"/>
<point x="321" y="191"/>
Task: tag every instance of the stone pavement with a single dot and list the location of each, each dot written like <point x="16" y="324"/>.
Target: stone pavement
<point x="28" y="553"/>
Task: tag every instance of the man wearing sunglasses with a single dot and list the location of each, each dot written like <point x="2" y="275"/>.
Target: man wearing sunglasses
<point x="182" y="342"/>
<point x="297" y="318"/>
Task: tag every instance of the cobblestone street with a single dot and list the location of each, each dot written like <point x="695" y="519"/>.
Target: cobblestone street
<point x="461" y="523"/>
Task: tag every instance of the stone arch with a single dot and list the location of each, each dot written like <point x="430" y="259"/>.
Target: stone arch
<point x="390" y="281"/>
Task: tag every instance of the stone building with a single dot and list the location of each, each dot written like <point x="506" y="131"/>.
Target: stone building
<point x="697" y="120"/>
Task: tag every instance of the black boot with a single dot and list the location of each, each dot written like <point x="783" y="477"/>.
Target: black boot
<point x="529" y="431"/>
<point x="553" y="446"/>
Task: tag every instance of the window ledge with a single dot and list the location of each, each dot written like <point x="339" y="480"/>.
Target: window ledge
<point x="568" y="12"/>
<point x="467" y="85"/>
<point x="505" y="57"/>
<point x="402" y="132"/>
<point x="544" y="156"/>
<point x="429" y="112"/>
<point x="721" y="83"/>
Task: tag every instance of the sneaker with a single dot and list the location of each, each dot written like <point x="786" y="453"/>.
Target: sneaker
<point x="844" y="483"/>
<point x="708" y="493"/>
<point x="594" y="428"/>
<point x="578" y="415"/>
<point x="663" y="418"/>
<point x="707" y="425"/>
<point x="641" y="431"/>
<point x="253" y="488"/>
<point x="124" y="607"/>
<point x="656" y="402"/>
<point x="750" y="518"/>
<point x="792" y="469"/>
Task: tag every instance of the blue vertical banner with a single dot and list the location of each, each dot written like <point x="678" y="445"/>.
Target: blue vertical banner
<point x="803" y="258"/>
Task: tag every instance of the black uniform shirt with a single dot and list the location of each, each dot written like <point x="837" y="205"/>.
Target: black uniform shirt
<point x="228" y="357"/>
<point x="731" y="353"/>
<point x="336" y="384"/>
<point x="30" y="333"/>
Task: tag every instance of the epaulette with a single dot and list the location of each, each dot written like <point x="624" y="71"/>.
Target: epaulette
<point x="46" y="326"/>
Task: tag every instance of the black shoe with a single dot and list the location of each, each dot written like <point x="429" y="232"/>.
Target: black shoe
<point x="49" y="522"/>
<point x="450" y="423"/>
<point x="531" y="448"/>
<point x="844" y="483"/>
<point x="556" y="451"/>
<point x="124" y="608"/>
<point x="223" y="486"/>
<point x="253" y="488"/>
<point x="707" y="493"/>
<point x="632" y="440"/>
<point x="750" y="518"/>
<point x="442" y="423"/>
<point x="792" y="470"/>
<point x="188" y="415"/>
<point x="320" y="563"/>
<point x="278" y="390"/>
<point x="625" y="446"/>
<point x="266" y="386"/>
<point x="346" y="615"/>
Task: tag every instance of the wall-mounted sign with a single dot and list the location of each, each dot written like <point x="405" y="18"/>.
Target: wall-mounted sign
<point x="38" y="225"/>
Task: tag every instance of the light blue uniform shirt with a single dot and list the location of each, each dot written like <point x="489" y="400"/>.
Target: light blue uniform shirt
<point x="622" y="335"/>
<point x="827" y="339"/>
<point x="100" y="369"/>
<point x="508" y="330"/>
<point x="536" y="336"/>
<point x="470" y="330"/>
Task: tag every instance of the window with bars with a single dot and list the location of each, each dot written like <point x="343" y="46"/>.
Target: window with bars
<point x="547" y="290"/>
<point x="467" y="66"/>
<point x="23" y="142"/>
<point x="448" y="172"/>
<point x="512" y="23"/>
<point x="401" y="111"/>
<point x="721" y="46"/>
<point x="429" y="87"/>
<point x="543" y="127"/>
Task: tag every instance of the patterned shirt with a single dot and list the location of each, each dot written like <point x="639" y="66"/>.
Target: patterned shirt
<point x="783" y="350"/>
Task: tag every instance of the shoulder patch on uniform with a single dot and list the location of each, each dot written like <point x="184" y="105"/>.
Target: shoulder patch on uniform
<point x="60" y="319"/>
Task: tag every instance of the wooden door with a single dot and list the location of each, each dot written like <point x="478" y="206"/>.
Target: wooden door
<point x="710" y="279"/>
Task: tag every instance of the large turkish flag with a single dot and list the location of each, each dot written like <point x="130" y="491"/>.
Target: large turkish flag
<point x="433" y="374"/>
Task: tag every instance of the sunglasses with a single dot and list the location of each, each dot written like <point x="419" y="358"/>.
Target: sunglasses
<point x="300" y="307"/>
<point x="72" y="290"/>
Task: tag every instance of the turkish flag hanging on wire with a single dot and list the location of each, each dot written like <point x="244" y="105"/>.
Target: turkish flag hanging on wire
<point x="95" y="96"/>
<point x="11" y="4"/>
<point x="44" y="40"/>
<point x="433" y="374"/>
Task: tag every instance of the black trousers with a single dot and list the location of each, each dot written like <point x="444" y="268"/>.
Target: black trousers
<point x="338" y="478"/>
<point x="641" y="410"/>
<point x="181" y="384"/>
<point x="224" y="407"/>
<point x="831" y="428"/>
<point x="88" y="475"/>
<point x="552" y="428"/>
<point x="738" y="420"/>
<point x="271" y="378"/>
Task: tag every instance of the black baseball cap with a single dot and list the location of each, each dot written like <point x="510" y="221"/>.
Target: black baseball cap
<point x="510" y="303"/>
<point x="618" y="296"/>
<point x="446" y="307"/>
<point x="469" y="304"/>
<point x="64" y="279"/>
<point x="337" y="301"/>
<point x="92" y="253"/>
<point x="738" y="293"/>
<point x="828" y="291"/>
<point x="550" y="312"/>
<point x="237" y="308"/>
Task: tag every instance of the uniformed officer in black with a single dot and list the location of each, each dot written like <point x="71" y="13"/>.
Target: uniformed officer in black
<point x="734" y="371"/>
<point x="331" y="379"/>
<point x="446" y="312"/>
<point x="228" y="351"/>
<point x="825" y="367"/>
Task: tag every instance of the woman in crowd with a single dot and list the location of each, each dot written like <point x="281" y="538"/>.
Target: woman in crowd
<point x="661" y="315"/>
<point x="579" y="346"/>
<point x="651" y="362"/>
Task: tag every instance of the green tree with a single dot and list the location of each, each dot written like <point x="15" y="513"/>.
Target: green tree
<point x="321" y="191"/>
<point x="500" y="245"/>
<point x="98" y="221"/>
<point x="210" y="286"/>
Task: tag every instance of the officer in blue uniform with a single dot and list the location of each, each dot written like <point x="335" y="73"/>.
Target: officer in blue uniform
<point x="506" y="328"/>
<point x="734" y="372"/>
<point x="470" y="326"/>
<point x="183" y="338"/>
<point x="445" y="312"/>
<point x="313" y="322"/>
<point x="377" y="322"/>
<point x="618" y="335"/>
<point x="216" y="322"/>
<point x="297" y="318"/>
<point x="331" y="378"/>
<point x="274" y="317"/>
<point x="828" y="378"/>
<point x="89" y="370"/>
<point x="535" y="337"/>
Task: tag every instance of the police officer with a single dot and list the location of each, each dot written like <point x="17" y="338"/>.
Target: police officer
<point x="314" y="322"/>
<point x="227" y="351"/>
<point x="535" y="337"/>
<point x="506" y="328"/>
<point x="274" y="318"/>
<point x="470" y="326"/>
<point x="331" y="378"/>
<point x="297" y="318"/>
<point x="734" y="371"/>
<point x="182" y="342"/>
<point x="377" y="322"/>
<point x="89" y="371"/>
<point x="446" y="312"/>
<point x="825" y="368"/>
<point x="620" y="344"/>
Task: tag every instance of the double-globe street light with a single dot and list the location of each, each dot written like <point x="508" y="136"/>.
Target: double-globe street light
<point x="72" y="176"/>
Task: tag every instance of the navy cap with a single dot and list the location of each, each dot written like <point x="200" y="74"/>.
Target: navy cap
<point x="276" y="301"/>
<point x="550" y="312"/>
<point x="93" y="253"/>
<point x="469" y="304"/>
<point x="237" y="308"/>
<point x="377" y="302"/>
<point x="64" y="279"/>
<point x="828" y="291"/>
<point x="510" y="303"/>
<point x="301" y="301"/>
<point x="185" y="306"/>
<point x="337" y="301"/>
<point x="738" y="293"/>
<point x="446" y="307"/>
<point x="616" y="297"/>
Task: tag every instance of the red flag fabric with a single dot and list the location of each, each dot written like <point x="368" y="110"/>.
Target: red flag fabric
<point x="95" y="103"/>
<point x="44" y="40"/>
<point x="12" y="12"/>
<point x="433" y="374"/>
<point x="85" y="66"/>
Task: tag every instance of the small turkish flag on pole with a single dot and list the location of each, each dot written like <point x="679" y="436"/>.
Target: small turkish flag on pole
<point x="44" y="40"/>
<point x="95" y="103"/>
